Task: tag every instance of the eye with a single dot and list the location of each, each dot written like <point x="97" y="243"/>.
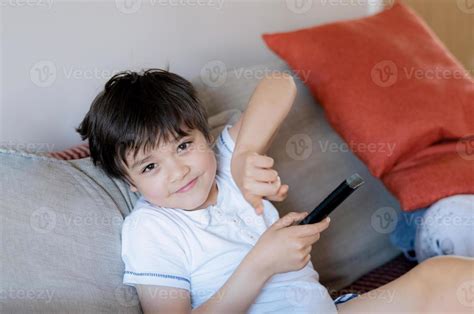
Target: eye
<point x="189" y="142"/>
<point x="148" y="167"/>
<point x="151" y="166"/>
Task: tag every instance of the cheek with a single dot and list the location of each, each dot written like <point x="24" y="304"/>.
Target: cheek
<point x="208" y="160"/>
<point x="154" y="188"/>
<point x="204" y="157"/>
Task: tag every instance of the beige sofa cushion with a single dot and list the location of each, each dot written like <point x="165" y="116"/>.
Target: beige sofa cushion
<point x="355" y="243"/>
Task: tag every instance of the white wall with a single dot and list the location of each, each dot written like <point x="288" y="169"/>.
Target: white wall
<point x="56" y="56"/>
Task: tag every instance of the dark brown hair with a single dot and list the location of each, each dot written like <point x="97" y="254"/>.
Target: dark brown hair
<point x="136" y="112"/>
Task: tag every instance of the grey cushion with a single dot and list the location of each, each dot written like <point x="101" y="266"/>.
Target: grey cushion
<point x="61" y="220"/>
<point x="61" y="223"/>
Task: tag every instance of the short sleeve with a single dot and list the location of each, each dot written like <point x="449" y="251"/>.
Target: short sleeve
<point x="224" y="149"/>
<point x="152" y="254"/>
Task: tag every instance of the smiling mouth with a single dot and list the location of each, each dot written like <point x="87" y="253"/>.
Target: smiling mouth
<point x="188" y="186"/>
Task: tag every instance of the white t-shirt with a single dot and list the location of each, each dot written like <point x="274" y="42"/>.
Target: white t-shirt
<point x="199" y="250"/>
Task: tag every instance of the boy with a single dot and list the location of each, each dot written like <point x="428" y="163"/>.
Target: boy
<point x="194" y="241"/>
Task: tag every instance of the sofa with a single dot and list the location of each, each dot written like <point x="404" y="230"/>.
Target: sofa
<point x="61" y="219"/>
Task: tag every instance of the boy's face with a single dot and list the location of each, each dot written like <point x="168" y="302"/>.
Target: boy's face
<point x="173" y="165"/>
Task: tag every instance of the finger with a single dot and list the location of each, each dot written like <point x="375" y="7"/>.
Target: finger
<point x="258" y="205"/>
<point x="256" y="202"/>
<point x="289" y="219"/>
<point x="311" y="229"/>
<point x="263" y="188"/>
<point x="308" y="249"/>
<point x="310" y="240"/>
<point x="283" y="191"/>
<point x="264" y="174"/>
<point x="262" y="161"/>
<point x="281" y="194"/>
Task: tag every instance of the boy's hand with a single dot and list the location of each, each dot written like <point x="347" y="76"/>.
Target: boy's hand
<point x="256" y="179"/>
<point x="284" y="246"/>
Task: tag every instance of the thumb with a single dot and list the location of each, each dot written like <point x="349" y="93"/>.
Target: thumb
<point x="289" y="219"/>
<point x="256" y="202"/>
<point x="258" y="205"/>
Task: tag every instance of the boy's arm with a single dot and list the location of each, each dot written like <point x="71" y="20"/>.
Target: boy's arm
<point x="268" y="107"/>
<point x="240" y="290"/>
<point x="236" y="295"/>
<point x="253" y="135"/>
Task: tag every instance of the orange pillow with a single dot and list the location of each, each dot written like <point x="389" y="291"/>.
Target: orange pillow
<point x="388" y="86"/>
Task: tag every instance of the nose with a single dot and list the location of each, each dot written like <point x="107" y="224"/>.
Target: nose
<point x="178" y="170"/>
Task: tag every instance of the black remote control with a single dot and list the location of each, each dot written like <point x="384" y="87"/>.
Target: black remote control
<point x="334" y="199"/>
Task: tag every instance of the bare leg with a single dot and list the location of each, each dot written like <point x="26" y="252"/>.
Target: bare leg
<point x="441" y="284"/>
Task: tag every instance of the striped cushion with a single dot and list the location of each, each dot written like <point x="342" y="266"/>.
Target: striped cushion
<point x="378" y="277"/>
<point x="75" y="152"/>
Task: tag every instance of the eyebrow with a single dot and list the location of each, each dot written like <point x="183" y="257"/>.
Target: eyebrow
<point x="140" y="162"/>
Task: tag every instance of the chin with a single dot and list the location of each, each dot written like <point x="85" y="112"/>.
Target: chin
<point x="197" y="204"/>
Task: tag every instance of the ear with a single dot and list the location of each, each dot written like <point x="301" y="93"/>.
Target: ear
<point x="211" y="140"/>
